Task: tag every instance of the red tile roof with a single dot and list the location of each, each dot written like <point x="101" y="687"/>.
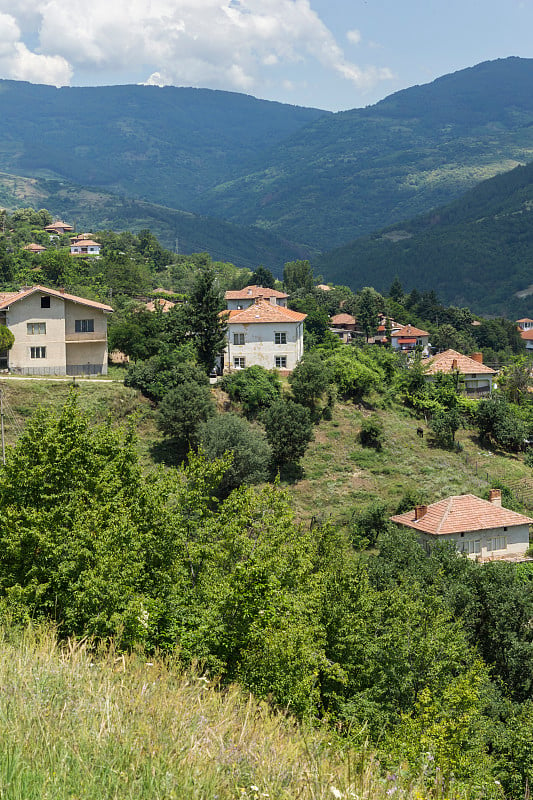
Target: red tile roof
<point x="524" y="319"/>
<point x="263" y="311"/>
<point x="34" y="248"/>
<point x="85" y="243"/>
<point x="527" y="335"/>
<point x="343" y="319"/>
<point x="444" y="362"/>
<point x="410" y="330"/>
<point x="7" y="298"/>
<point x="460" y="514"/>
<point x="164" y="305"/>
<point x="251" y="292"/>
<point x="59" y="224"/>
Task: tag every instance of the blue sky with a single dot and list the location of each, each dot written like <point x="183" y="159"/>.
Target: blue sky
<point x="331" y="54"/>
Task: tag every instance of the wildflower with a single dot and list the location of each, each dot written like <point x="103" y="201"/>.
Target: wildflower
<point x="335" y="792"/>
<point x="254" y="788"/>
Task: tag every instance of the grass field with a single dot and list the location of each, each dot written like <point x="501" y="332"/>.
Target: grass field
<point x="339" y="476"/>
<point x="76" y="725"/>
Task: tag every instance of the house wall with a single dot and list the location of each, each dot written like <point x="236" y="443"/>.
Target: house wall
<point x="245" y="302"/>
<point x="17" y="318"/>
<point x="516" y="536"/>
<point x="259" y="347"/>
<point x="67" y="352"/>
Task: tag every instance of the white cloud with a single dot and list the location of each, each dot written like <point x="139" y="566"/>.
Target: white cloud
<point x="354" y="36"/>
<point x="230" y="44"/>
<point x="19" y="63"/>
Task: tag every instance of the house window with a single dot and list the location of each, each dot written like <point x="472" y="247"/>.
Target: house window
<point x="238" y="338"/>
<point x="45" y="302"/>
<point x="497" y="543"/>
<point x="239" y="363"/>
<point x="280" y="338"/>
<point x="34" y="328"/>
<point x="38" y="352"/>
<point x="280" y="362"/>
<point x="84" y="325"/>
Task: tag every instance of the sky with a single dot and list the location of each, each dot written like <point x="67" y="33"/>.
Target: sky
<point x="330" y="54"/>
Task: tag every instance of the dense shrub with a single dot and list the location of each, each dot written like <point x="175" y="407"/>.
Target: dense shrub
<point x="183" y="409"/>
<point x="289" y="430"/>
<point x="371" y="433"/>
<point x="255" y="388"/>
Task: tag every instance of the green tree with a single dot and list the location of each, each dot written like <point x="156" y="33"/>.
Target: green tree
<point x="396" y="290"/>
<point x="298" y="275"/>
<point x="251" y="454"/>
<point x="368" y="305"/>
<point x="7" y="340"/>
<point x="207" y="325"/>
<point x="310" y="380"/>
<point x="289" y="430"/>
<point x="183" y="409"/>
<point x="515" y="379"/>
<point x="444" y="425"/>
<point x="263" y="277"/>
<point x="254" y="387"/>
<point x="372" y="433"/>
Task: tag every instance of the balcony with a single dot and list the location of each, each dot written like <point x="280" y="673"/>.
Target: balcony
<point x="83" y="338"/>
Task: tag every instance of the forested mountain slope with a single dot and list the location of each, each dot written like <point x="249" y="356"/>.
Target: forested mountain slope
<point x="476" y="251"/>
<point x="158" y="144"/>
<point x="351" y="173"/>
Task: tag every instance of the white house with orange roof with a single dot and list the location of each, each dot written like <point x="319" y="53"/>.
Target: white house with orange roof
<point x="242" y="298"/>
<point x="55" y="333"/>
<point x="264" y="333"/>
<point x="85" y="247"/>
<point x="481" y="529"/>
<point x="34" y="248"/>
<point x="476" y="375"/>
<point x="408" y="337"/>
<point x="525" y="326"/>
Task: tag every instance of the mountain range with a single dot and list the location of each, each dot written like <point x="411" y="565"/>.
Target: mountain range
<point x="258" y="182"/>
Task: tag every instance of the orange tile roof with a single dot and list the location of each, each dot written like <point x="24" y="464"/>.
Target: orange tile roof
<point x="34" y="248"/>
<point x="524" y="319"/>
<point x="59" y="224"/>
<point x="443" y="362"/>
<point x="461" y="514"/>
<point x="251" y="292"/>
<point x="85" y="243"/>
<point x="164" y="305"/>
<point x="527" y="335"/>
<point x="263" y="311"/>
<point x="343" y="319"/>
<point x="410" y="330"/>
<point x="324" y="287"/>
<point x="8" y="298"/>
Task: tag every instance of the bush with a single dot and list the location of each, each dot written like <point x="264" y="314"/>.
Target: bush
<point x="289" y="430"/>
<point x="182" y="410"/>
<point x="159" y="375"/>
<point x="371" y="433"/>
<point x="255" y="388"/>
<point x="247" y="444"/>
<point x="309" y="380"/>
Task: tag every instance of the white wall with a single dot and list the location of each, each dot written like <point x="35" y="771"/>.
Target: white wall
<point x="517" y="537"/>
<point x="259" y="347"/>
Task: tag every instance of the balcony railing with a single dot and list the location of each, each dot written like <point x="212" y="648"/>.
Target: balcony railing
<point x="95" y="336"/>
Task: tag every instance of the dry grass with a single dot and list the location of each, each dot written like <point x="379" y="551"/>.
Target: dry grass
<point x="78" y="726"/>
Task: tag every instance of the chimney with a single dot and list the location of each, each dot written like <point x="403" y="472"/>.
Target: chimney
<point x="258" y="299"/>
<point x="495" y="497"/>
<point x="420" y="511"/>
<point x="454" y="364"/>
<point x="477" y="357"/>
<point x="62" y="290"/>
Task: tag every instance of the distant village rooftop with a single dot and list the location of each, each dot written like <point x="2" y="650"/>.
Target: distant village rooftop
<point x="451" y="360"/>
<point x="263" y="311"/>
<point x="251" y="292"/>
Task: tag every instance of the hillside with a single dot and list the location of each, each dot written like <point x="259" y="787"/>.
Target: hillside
<point x="348" y="174"/>
<point x="475" y="251"/>
<point x="163" y="145"/>
<point x="94" y="209"/>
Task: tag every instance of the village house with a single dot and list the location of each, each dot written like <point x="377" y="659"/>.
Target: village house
<point x="84" y="247"/>
<point x="477" y="377"/>
<point x="55" y="333"/>
<point x="37" y="249"/>
<point x="242" y="298"/>
<point x="58" y="228"/>
<point x="408" y="337"/>
<point x="344" y="326"/>
<point x="481" y="529"/>
<point x="264" y="332"/>
<point x="525" y="326"/>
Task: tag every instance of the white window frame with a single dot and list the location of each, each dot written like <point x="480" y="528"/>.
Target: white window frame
<point x="37" y="352"/>
<point x="238" y="339"/>
<point x="278" y="362"/>
<point x="239" y="362"/>
<point x="280" y="337"/>
<point x="35" y="328"/>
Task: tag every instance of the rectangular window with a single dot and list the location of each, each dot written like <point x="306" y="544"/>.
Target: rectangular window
<point x="38" y="352"/>
<point x="239" y="363"/>
<point x="84" y="325"/>
<point x="280" y="338"/>
<point x="280" y="362"/>
<point x="45" y="302"/>
<point x="34" y="328"/>
<point x="238" y="338"/>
